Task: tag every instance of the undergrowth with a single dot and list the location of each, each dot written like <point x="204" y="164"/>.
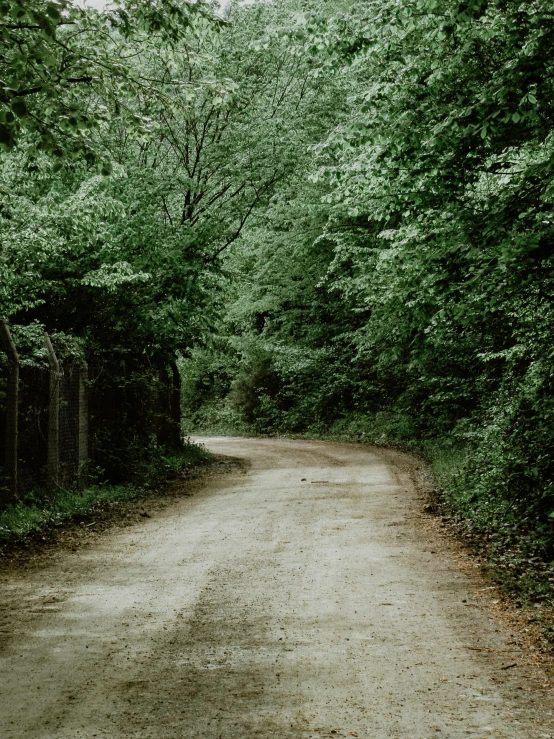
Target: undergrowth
<point x="36" y="512"/>
<point x="515" y="543"/>
<point x="214" y="419"/>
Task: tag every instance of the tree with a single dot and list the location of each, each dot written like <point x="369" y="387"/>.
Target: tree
<point x="129" y="262"/>
<point x="433" y="245"/>
<point x="65" y="69"/>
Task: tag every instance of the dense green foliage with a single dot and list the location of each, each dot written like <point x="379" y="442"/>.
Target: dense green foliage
<point x="113" y="222"/>
<point x="65" y="69"/>
<point x="400" y="288"/>
<point x="337" y="218"/>
<point x="34" y="515"/>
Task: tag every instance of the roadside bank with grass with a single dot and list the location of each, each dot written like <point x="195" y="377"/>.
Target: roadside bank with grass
<point x="38" y="512"/>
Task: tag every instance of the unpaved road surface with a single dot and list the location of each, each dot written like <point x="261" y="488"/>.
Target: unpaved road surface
<point x="303" y="598"/>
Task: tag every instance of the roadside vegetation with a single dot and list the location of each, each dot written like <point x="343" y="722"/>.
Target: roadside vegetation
<point x="36" y="512"/>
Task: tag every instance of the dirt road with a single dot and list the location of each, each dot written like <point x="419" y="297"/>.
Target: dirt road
<point x="302" y="598"/>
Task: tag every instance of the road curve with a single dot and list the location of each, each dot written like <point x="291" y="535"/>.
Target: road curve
<point x="302" y="598"/>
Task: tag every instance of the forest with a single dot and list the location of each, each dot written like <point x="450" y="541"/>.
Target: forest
<point x="326" y="219"/>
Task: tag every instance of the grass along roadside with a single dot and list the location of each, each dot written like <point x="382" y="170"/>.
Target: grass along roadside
<point x="35" y="513"/>
<point x="515" y="545"/>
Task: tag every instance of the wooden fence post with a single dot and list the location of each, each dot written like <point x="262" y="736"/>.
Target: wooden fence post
<point x="12" y="410"/>
<point x="83" y="422"/>
<point x="53" y="459"/>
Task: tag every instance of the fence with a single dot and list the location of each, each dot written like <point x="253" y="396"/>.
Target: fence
<point x="55" y="421"/>
<point x="45" y="435"/>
